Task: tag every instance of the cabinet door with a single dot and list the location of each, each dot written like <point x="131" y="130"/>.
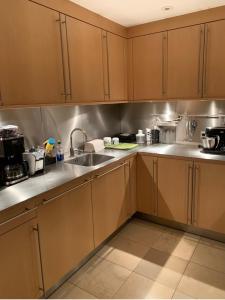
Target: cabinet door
<point x="109" y="202"/>
<point x="209" y="204"/>
<point x="185" y="57"/>
<point x="148" y="67"/>
<point x="86" y="61"/>
<point x="214" y="73"/>
<point x="19" y="275"/>
<point x="66" y="233"/>
<point x="30" y="54"/>
<point x="174" y="189"/>
<point x="117" y="62"/>
<point x="146" y="184"/>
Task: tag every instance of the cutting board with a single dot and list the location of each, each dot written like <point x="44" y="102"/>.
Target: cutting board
<point x="122" y="146"/>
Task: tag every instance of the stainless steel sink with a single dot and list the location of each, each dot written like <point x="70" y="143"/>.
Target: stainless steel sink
<point x="89" y="160"/>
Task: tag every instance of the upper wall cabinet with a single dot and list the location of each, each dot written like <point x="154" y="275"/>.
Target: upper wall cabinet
<point x="148" y="63"/>
<point x="184" y="62"/>
<point x="31" y="67"/>
<point x="117" y="64"/>
<point x="85" y="49"/>
<point x="214" y="66"/>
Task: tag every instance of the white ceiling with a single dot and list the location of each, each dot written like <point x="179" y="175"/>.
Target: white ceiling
<point x="134" y="12"/>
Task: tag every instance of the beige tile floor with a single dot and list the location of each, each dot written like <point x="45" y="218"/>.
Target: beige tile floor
<point x="145" y="260"/>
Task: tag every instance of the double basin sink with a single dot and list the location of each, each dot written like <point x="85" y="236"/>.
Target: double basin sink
<point x="89" y="159"/>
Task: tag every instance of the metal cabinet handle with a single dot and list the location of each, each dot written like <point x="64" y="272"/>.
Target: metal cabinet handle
<point x="164" y="62"/>
<point x="26" y="212"/>
<point x="70" y="190"/>
<point x="63" y="65"/>
<point x="189" y="194"/>
<point x="111" y="170"/>
<point x="64" y="52"/>
<point x="195" y="194"/>
<point x="205" y="60"/>
<point x="40" y="263"/>
<point x="155" y="189"/>
<point x="200" y="79"/>
<point x="106" y="84"/>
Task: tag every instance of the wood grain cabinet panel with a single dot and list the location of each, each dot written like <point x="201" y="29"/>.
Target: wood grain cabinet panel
<point x="185" y="58"/>
<point x="31" y="67"/>
<point x="19" y="260"/>
<point x="146" y="184"/>
<point x="214" y="72"/>
<point x="174" y="189"/>
<point x="148" y="58"/>
<point x="85" y="47"/>
<point x="109" y="202"/>
<point x="66" y="232"/>
<point x="117" y="64"/>
<point x="208" y="202"/>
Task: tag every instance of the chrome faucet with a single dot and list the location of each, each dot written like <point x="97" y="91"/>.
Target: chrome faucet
<point x="73" y="150"/>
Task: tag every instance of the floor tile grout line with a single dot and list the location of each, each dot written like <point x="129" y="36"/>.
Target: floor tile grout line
<point x="189" y="261"/>
<point x="85" y="291"/>
<point x="211" y="269"/>
<point x="122" y="284"/>
<point x="207" y="267"/>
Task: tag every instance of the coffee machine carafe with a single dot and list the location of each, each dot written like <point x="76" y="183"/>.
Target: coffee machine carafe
<point x="13" y="169"/>
<point x="213" y="140"/>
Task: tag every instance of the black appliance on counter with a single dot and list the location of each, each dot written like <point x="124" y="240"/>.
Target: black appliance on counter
<point x="126" y="137"/>
<point x="213" y="140"/>
<point x="13" y="169"/>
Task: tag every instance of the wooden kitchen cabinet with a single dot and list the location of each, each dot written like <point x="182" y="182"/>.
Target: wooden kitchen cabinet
<point x="148" y="67"/>
<point x="19" y="260"/>
<point x="117" y="67"/>
<point x="209" y="190"/>
<point x="31" y="67"/>
<point x="214" y="66"/>
<point x="85" y="48"/>
<point x="66" y="232"/>
<point x="184" y="62"/>
<point x="109" y="201"/>
<point x="147" y="184"/>
<point x="174" y="189"/>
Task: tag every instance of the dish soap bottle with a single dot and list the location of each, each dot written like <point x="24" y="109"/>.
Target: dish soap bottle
<point x="59" y="151"/>
<point x="140" y="137"/>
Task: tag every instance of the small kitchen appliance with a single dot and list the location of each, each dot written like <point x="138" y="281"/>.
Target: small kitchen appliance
<point x="36" y="160"/>
<point x="213" y="141"/>
<point x="13" y="169"/>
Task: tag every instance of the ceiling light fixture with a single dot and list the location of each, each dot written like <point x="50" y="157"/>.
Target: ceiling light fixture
<point x="167" y="8"/>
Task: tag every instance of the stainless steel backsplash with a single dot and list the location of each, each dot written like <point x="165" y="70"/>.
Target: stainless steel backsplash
<point x="143" y="115"/>
<point x="38" y="124"/>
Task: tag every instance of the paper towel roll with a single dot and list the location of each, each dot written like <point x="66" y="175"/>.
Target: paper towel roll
<point x="94" y="146"/>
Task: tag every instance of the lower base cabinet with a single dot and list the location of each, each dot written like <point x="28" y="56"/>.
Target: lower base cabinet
<point x="66" y="232"/>
<point x="174" y="189"/>
<point x="109" y="200"/>
<point x="209" y="196"/>
<point x="19" y="261"/>
<point x="146" y="184"/>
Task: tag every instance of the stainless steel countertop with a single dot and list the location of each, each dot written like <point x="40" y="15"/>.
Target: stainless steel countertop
<point x="61" y="173"/>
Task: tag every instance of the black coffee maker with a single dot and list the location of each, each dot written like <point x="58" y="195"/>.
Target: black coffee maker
<point x="13" y="169"/>
<point x="213" y="140"/>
